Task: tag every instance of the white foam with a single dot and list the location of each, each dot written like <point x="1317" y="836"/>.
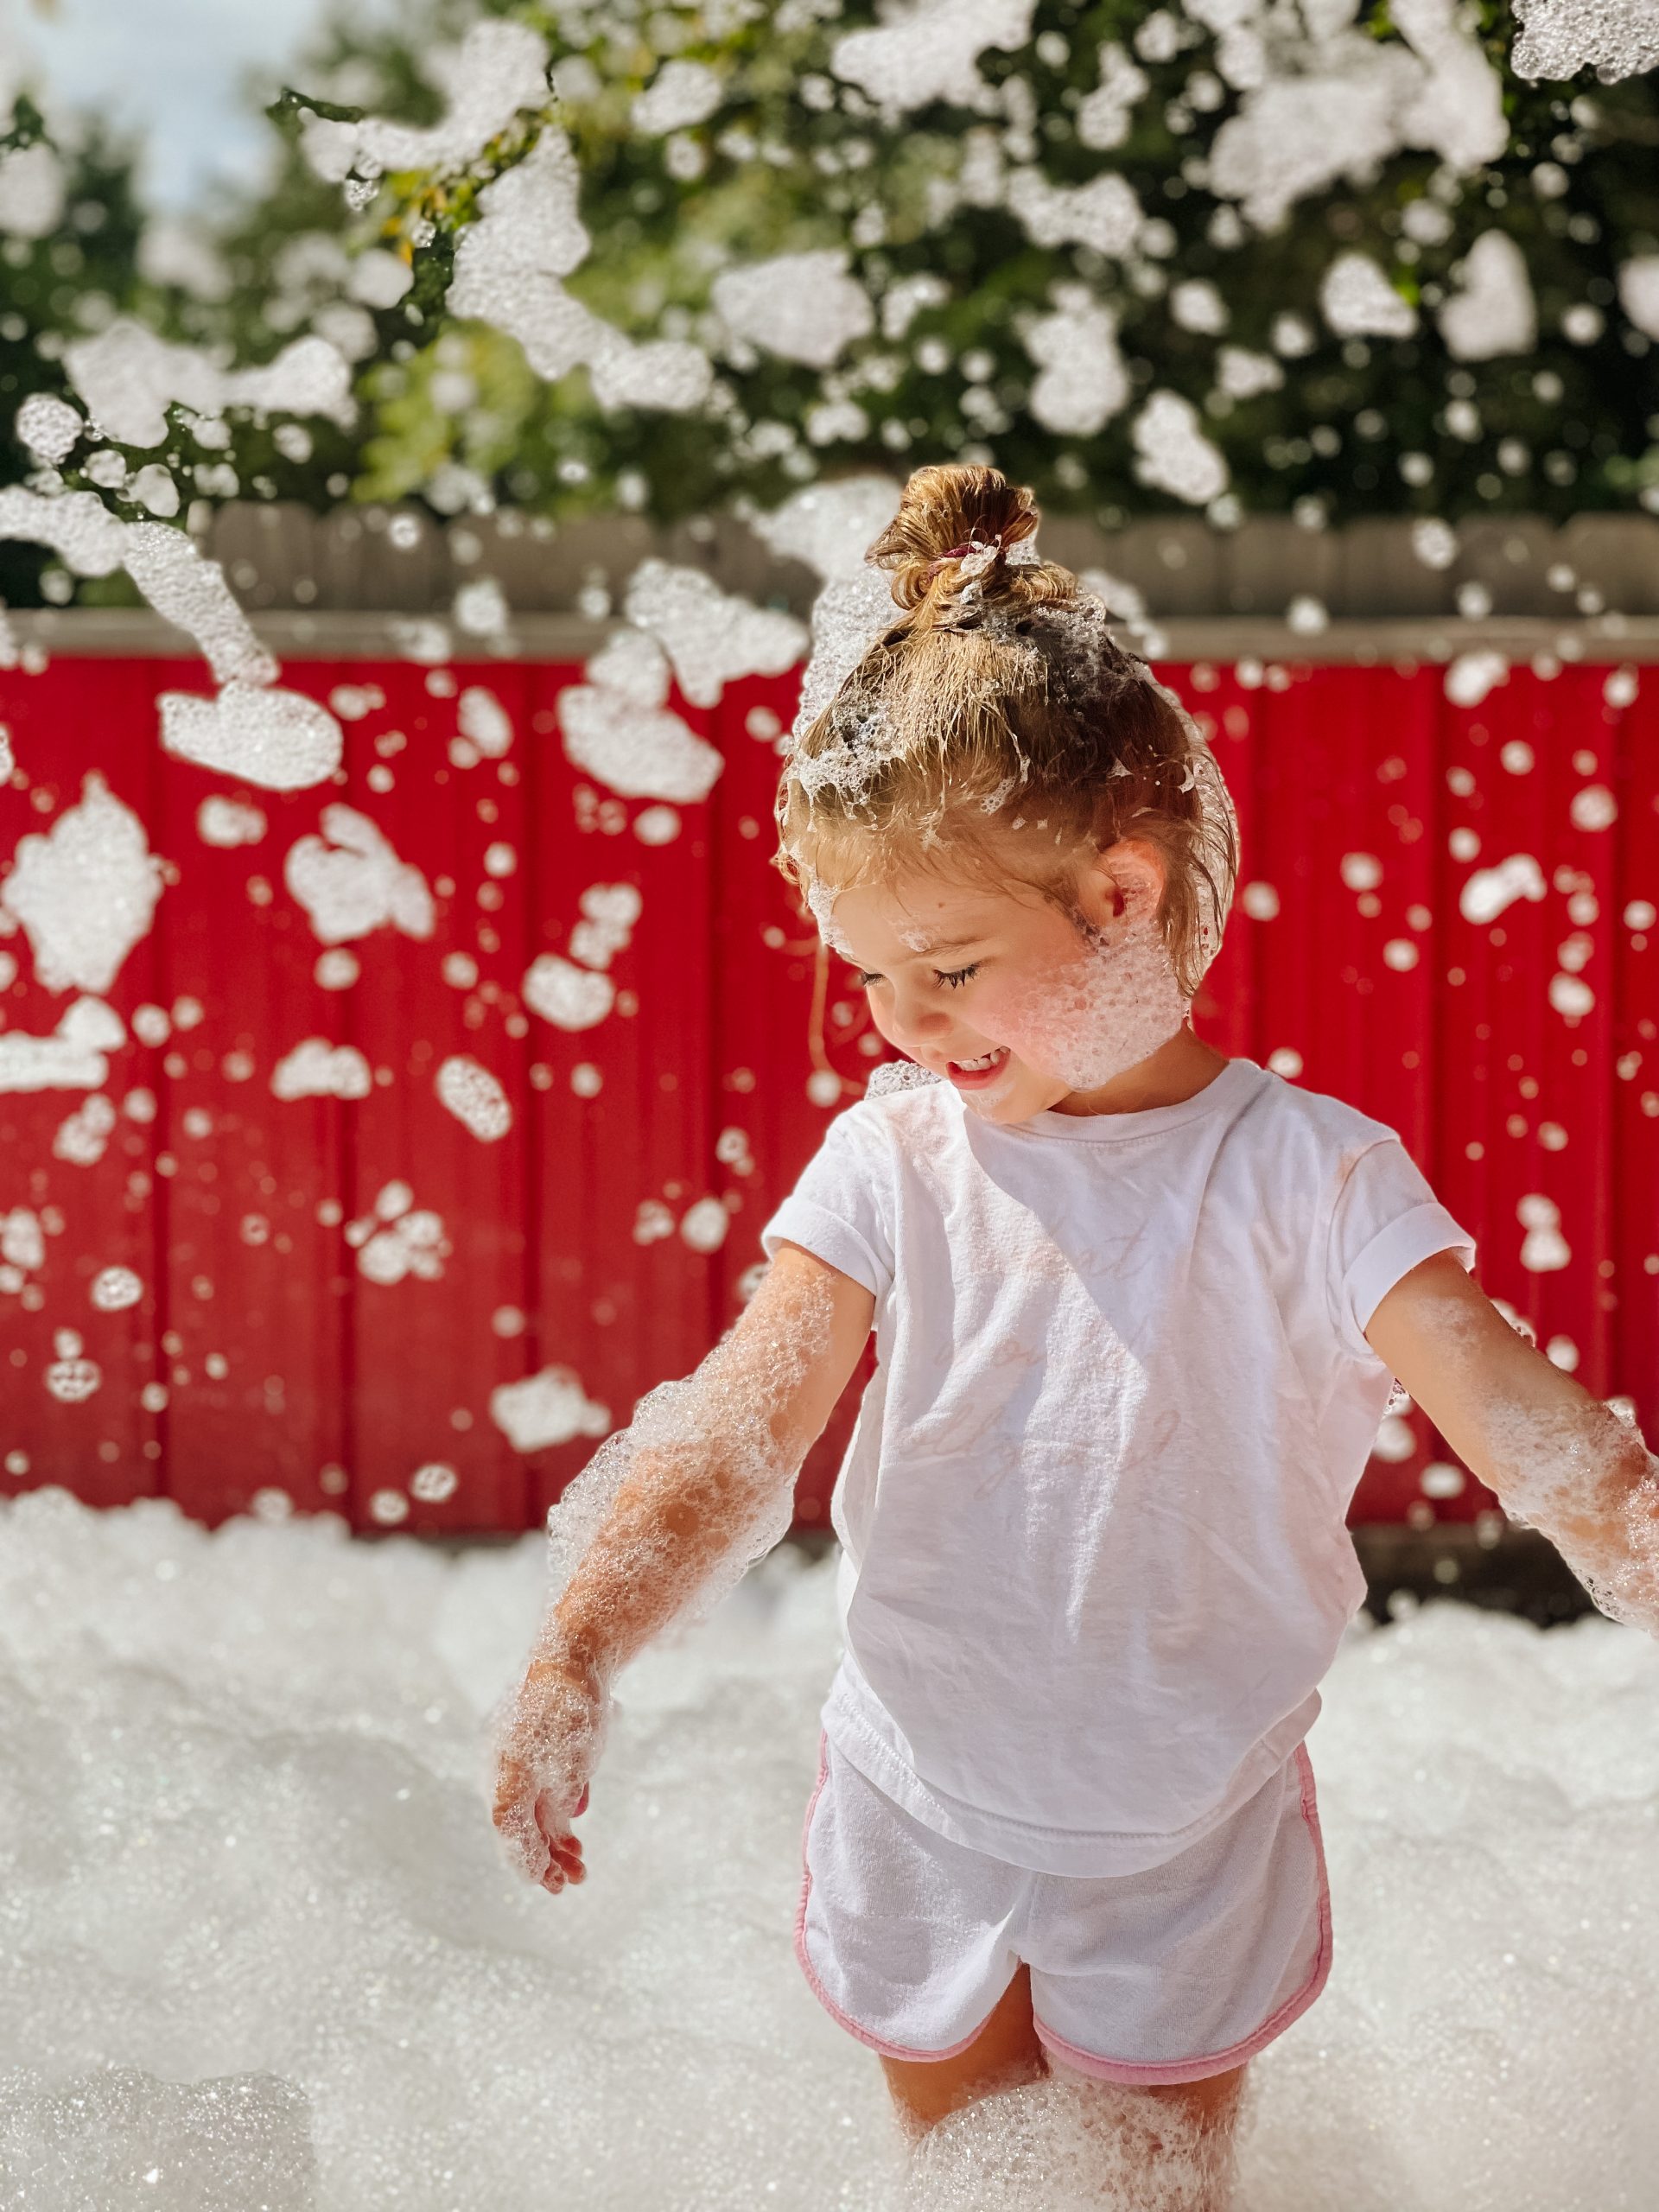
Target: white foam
<point x="48" y="426"/>
<point x="629" y="742"/>
<point x="83" y="1138"/>
<point x="399" y="1238"/>
<point x="73" y="1058"/>
<point x="281" y="741"/>
<point x="1084" y="381"/>
<point x="1173" y="454"/>
<point x="33" y="191"/>
<point x="85" y="891"/>
<point x="680" y="94"/>
<point x="316" y="1069"/>
<point x="1357" y="299"/>
<point x="1491" y="310"/>
<point x="229" y="822"/>
<point x="547" y="1408"/>
<point x="508" y="269"/>
<point x="830" y="526"/>
<point x="128" y="377"/>
<point x="568" y="997"/>
<point x="497" y="73"/>
<point x="1616" y="38"/>
<point x="1488" y="1794"/>
<point x="351" y="881"/>
<point x="930" y="50"/>
<point x="474" y="1097"/>
<point x="802" y="307"/>
<point x="711" y="637"/>
<point x="610" y="912"/>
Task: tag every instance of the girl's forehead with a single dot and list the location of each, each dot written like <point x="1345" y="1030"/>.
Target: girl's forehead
<point x="923" y="915"/>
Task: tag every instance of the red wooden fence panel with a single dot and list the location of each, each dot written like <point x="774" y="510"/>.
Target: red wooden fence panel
<point x="1446" y="916"/>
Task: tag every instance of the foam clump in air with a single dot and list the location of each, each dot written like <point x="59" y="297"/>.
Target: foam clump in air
<point x="83" y="1137"/>
<point x="828" y="526"/>
<point x="681" y="94"/>
<point x="474" y="1097"/>
<point x="1340" y="103"/>
<point x="568" y="997"/>
<point x="1616" y="38"/>
<point x="1487" y="1793"/>
<point x="802" y="307"/>
<point x="711" y="637"/>
<point x="1173" y="453"/>
<point x="77" y="526"/>
<point x="73" y="1058"/>
<point x="350" y="881"/>
<point x="85" y="891"/>
<point x="1084" y="381"/>
<point x="498" y="72"/>
<point x="33" y="191"/>
<point x="316" y="1069"/>
<point x="228" y="823"/>
<point x="547" y="1408"/>
<point x="1489" y="891"/>
<point x="281" y="741"/>
<point x="617" y="728"/>
<point x="48" y="426"/>
<point x="508" y="269"/>
<point x="931" y="51"/>
<point x="1491" y="310"/>
<point x="128" y="378"/>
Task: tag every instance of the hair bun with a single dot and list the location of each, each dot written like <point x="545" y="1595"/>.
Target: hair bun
<point x="951" y="512"/>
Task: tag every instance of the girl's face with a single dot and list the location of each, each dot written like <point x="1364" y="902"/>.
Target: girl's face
<point x="1003" y="994"/>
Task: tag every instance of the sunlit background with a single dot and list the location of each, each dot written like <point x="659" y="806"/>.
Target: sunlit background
<point x="441" y="445"/>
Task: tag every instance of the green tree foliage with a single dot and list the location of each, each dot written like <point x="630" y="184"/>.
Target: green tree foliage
<point x="794" y="158"/>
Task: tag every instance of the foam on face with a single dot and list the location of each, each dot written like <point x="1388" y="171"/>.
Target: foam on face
<point x="1108" y="1010"/>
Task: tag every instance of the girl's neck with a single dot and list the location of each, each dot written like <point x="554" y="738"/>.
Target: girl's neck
<point x="1176" y="1071"/>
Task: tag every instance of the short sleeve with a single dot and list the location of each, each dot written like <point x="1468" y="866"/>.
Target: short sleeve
<point x="1385" y="1222"/>
<point x="841" y="1207"/>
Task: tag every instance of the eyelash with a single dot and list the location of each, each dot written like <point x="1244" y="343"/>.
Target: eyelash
<point x="956" y="979"/>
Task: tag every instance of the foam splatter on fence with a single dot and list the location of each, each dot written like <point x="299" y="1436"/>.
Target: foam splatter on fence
<point x="425" y="1118"/>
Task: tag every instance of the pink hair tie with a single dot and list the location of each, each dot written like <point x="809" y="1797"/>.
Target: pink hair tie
<point x="956" y="553"/>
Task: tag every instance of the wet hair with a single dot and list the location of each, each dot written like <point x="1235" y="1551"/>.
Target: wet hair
<point x="997" y="733"/>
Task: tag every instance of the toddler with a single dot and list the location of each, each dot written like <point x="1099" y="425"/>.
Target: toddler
<point x="1137" y="1308"/>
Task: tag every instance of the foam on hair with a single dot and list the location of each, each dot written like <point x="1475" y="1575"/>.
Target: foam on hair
<point x="997" y="729"/>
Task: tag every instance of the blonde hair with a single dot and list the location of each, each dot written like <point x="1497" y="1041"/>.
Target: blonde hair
<point x="999" y="704"/>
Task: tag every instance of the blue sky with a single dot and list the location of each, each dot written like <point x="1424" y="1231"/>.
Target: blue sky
<point x="174" y="68"/>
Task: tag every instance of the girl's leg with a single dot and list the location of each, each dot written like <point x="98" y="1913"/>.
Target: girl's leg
<point x="1004" y="2054"/>
<point x="1171" y="2145"/>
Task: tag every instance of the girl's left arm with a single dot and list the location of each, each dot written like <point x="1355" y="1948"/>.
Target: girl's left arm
<point x="1557" y="1457"/>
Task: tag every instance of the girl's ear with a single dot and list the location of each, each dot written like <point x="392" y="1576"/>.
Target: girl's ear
<point x="1132" y="875"/>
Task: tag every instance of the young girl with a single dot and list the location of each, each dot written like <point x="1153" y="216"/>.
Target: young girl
<point x="1137" y="1308"/>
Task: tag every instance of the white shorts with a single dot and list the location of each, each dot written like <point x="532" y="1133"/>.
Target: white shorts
<point x="908" y="1940"/>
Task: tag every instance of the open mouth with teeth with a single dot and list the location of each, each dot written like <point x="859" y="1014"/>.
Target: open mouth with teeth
<point x="988" y="1063"/>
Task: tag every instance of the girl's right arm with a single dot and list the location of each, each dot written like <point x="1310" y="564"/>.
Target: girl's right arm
<point x="662" y="1521"/>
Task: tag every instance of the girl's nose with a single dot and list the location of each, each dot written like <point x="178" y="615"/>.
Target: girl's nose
<point x="917" y="1022"/>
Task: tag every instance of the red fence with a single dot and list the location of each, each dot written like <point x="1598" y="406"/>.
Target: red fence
<point x="1447" y="917"/>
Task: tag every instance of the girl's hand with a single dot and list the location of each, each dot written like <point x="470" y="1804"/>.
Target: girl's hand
<point x="555" y="1729"/>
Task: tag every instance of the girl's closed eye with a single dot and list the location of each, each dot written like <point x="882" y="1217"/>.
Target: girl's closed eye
<point x="866" y="977"/>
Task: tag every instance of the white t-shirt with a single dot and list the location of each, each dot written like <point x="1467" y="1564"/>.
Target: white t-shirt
<point x="1095" y="1557"/>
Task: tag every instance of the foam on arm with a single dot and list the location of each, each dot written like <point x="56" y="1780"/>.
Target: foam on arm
<point x="1558" y="1459"/>
<point x="665" y="1519"/>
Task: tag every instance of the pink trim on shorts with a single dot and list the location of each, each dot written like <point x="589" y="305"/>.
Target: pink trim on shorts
<point x="886" y="2050"/>
<point x="1221" y="2062"/>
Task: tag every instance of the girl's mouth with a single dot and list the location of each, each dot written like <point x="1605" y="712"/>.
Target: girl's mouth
<point x="973" y="1074"/>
